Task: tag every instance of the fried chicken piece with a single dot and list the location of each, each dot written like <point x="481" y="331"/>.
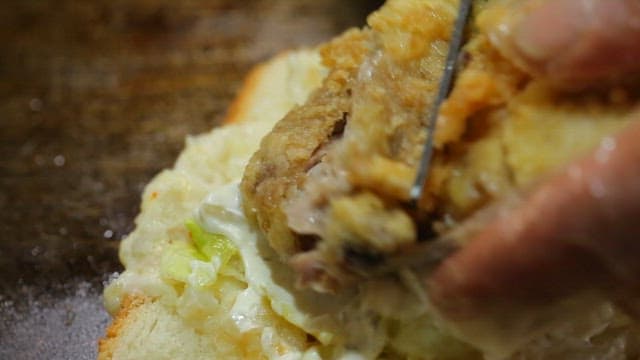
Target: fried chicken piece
<point x="296" y="143"/>
<point x="329" y="186"/>
<point x="352" y="149"/>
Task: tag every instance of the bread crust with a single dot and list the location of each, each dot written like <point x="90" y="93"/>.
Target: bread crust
<point x="265" y="76"/>
<point x="242" y="102"/>
<point x="243" y="99"/>
<point x="130" y="305"/>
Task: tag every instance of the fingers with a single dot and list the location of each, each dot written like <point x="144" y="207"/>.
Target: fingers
<point x="572" y="43"/>
<point x="579" y="230"/>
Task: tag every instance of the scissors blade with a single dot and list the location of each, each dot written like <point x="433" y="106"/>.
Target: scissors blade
<point x="420" y="258"/>
<point x="446" y="83"/>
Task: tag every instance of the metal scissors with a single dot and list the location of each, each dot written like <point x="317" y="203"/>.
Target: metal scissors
<point x="444" y="89"/>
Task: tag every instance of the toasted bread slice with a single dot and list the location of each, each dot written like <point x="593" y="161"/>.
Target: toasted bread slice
<point x="145" y="327"/>
<point x="157" y="319"/>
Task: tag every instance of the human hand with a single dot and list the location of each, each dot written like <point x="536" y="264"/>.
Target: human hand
<point x="571" y="43"/>
<point x="579" y="232"/>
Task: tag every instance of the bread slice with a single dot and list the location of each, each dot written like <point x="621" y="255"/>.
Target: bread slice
<point x="156" y="319"/>
<point x="144" y="326"/>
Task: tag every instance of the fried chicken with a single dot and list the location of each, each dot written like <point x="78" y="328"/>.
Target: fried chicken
<point x="329" y="186"/>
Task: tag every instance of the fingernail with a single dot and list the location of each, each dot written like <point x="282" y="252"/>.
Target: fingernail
<point x="544" y="31"/>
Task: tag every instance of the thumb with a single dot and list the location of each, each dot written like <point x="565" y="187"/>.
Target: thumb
<point x="578" y="230"/>
<point x="571" y="43"/>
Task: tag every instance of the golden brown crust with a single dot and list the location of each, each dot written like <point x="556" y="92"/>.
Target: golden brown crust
<point x="130" y="305"/>
<point x="242" y="102"/>
<point x="272" y="173"/>
<point x="353" y="145"/>
<point x="341" y="197"/>
<point x="242" y="99"/>
<point x="133" y="303"/>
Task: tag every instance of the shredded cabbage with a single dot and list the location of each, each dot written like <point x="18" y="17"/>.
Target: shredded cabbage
<point x="211" y="245"/>
<point x="196" y="264"/>
<point x="176" y="261"/>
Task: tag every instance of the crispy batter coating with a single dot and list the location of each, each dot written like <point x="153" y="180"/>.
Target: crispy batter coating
<point x="287" y="153"/>
<point x="329" y="186"/>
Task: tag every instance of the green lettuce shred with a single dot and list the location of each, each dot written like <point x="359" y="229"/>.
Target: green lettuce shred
<point x="209" y="244"/>
<point x="175" y="263"/>
<point x="215" y="250"/>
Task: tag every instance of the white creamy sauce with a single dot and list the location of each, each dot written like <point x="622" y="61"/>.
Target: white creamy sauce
<point x="321" y="315"/>
<point x="246" y="310"/>
<point x="354" y="324"/>
<point x="221" y="213"/>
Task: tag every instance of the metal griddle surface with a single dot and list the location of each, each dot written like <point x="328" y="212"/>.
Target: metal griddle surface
<point x="95" y="98"/>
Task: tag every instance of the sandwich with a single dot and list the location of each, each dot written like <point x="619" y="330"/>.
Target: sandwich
<point x="267" y="237"/>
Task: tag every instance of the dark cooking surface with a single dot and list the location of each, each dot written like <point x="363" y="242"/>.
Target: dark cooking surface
<point x="95" y="98"/>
